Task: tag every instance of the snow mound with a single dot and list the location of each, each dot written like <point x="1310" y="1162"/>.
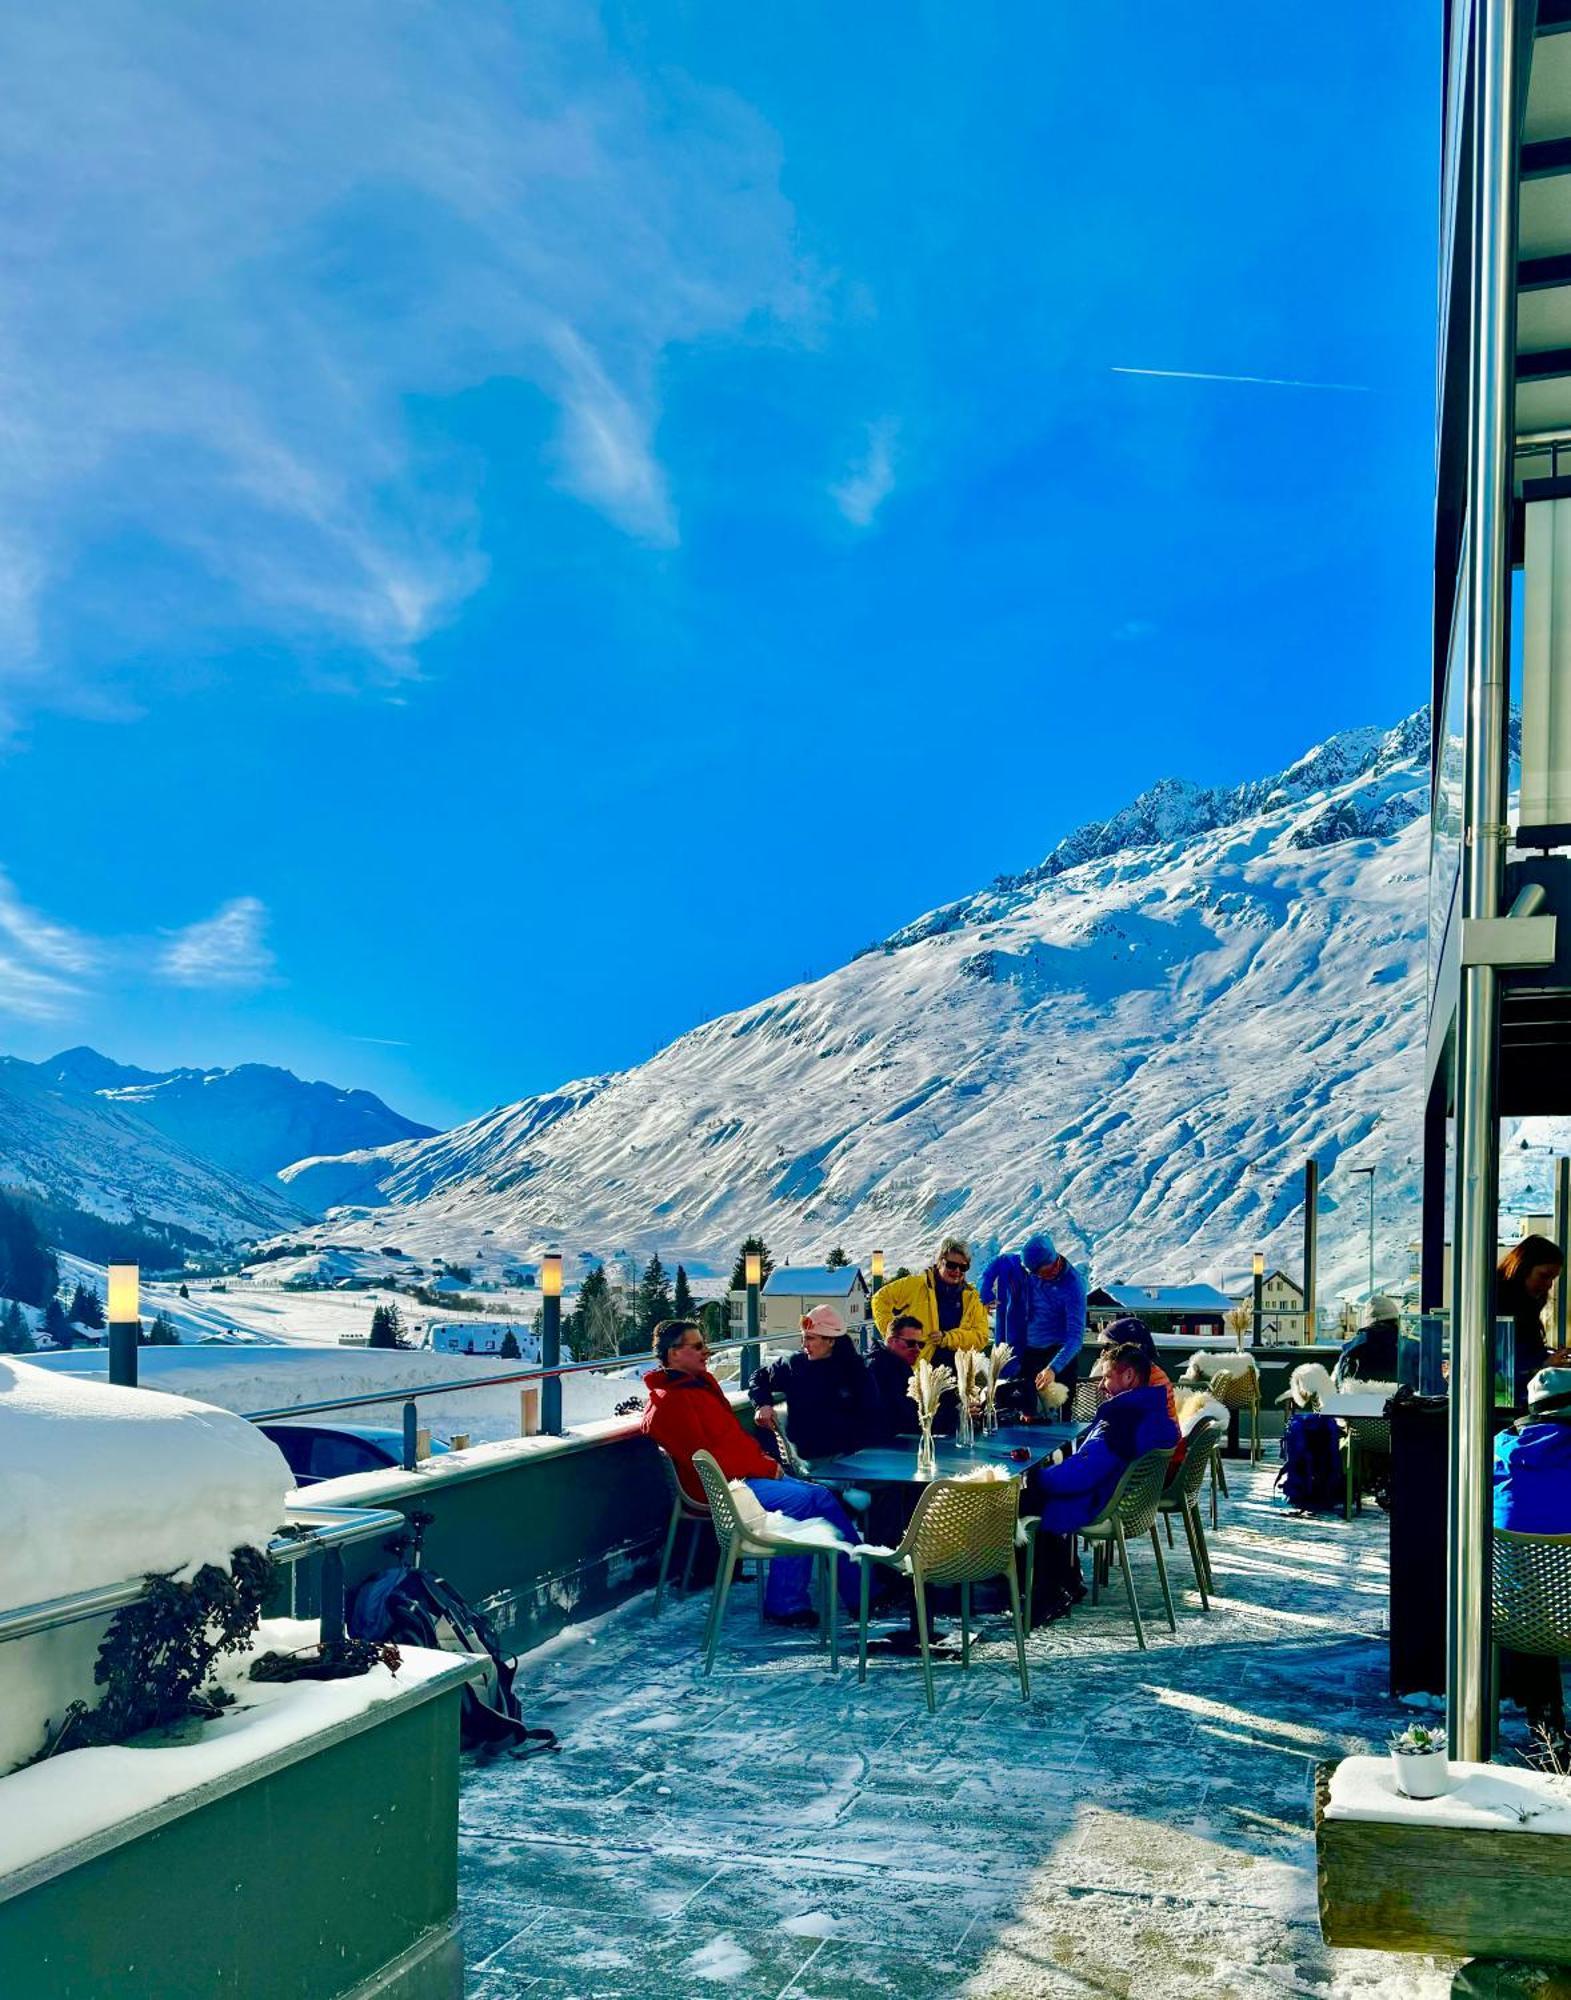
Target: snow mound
<point x="100" y="1484"/>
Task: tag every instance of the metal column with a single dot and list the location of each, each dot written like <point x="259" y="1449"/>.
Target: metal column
<point x="1562" y="1231"/>
<point x="1311" y="1243"/>
<point x="1487" y="576"/>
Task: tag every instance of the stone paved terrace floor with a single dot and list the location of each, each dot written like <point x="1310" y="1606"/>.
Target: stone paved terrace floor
<point x="1140" y="1828"/>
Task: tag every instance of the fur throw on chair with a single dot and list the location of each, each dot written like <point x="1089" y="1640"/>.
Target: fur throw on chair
<point x="1201" y="1403"/>
<point x="1309" y="1385"/>
<point x="1202" y="1367"/>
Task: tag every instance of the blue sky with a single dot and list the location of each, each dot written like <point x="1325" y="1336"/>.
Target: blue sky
<point x="522" y="528"/>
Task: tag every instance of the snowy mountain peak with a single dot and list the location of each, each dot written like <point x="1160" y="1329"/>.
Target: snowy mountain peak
<point x="1135" y="1046"/>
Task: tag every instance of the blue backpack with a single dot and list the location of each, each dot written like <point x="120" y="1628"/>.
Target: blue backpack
<point x="1311" y="1478"/>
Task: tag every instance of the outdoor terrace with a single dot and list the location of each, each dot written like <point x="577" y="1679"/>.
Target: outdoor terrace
<point x="1141" y="1827"/>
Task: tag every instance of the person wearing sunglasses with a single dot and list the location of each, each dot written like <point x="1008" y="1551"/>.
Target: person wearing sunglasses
<point x="947" y="1308"/>
<point x="688" y="1411"/>
<point x="889" y="1369"/>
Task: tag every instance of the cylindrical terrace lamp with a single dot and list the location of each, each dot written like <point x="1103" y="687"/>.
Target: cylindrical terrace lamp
<point x="551" y="1342"/>
<point x="1260" y="1289"/>
<point x="754" y="1272"/>
<point x="125" y="1324"/>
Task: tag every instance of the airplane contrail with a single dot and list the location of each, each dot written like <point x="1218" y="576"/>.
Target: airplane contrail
<point x="1257" y="381"/>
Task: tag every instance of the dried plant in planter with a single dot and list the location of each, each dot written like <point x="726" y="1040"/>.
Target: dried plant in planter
<point x="334" y="1660"/>
<point x="156" y="1658"/>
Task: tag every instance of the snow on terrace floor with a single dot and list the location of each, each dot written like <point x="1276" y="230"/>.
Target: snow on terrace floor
<point x="1140" y="1828"/>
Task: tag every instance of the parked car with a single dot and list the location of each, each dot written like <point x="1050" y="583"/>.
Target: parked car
<point x="328" y="1451"/>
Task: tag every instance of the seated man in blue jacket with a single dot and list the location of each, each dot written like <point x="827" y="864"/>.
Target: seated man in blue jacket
<point x="1533" y="1497"/>
<point x="1133" y="1420"/>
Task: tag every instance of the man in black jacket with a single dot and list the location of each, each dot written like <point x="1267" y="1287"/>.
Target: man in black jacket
<point x="825" y="1387"/>
<point x="889" y="1372"/>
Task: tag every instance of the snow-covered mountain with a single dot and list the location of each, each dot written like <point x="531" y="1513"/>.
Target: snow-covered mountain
<point x="1135" y="1044"/>
<point x="88" y="1152"/>
<point x="253" y="1120"/>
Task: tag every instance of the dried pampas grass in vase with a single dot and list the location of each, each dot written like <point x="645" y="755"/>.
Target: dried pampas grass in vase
<point x="927" y="1389"/>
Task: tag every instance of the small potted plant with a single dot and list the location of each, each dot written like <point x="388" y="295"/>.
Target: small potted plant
<point x="1418" y="1761"/>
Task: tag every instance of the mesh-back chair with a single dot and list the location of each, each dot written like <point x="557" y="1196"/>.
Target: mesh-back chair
<point x="963" y="1531"/>
<point x="1132" y="1510"/>
<point x="1087" y="1399"/>
<point x="1241" y="1392"/>
<point x="1367" y="1451"/>
<point x="1531" y="1608"/>
<point x="738" y="1542"/>
<point x="1181" y="1496"/>
<point x="684" y="1508"/>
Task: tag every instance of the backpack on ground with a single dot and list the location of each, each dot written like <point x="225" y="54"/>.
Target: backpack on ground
<point x="410" y="1607"/>
<point x="1311" y="1478"/>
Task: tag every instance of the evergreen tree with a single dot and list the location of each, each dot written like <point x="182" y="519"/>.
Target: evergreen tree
<point x="682" y="1306"/>
<point x="387" y="1328"/>
<point x="739" y="1269"/>
<point x="57" y="1328"/>
<point x="904" y="1271"/>
<point x="714" y="1316"/>
<point x="86" y="1308"/>
<point x="508" y="1351"/>
<point x="16" y="1336"/>
<point x="28" y="1270"/>
<point x="654" y="1298"/>
<point x="185" y="1291"/>
<point x="837" y="1260"/>
<point x="162" y="1334"/>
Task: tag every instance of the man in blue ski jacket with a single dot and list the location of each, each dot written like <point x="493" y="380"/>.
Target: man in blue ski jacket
<point x="1533" y="1497"/>
<point x="1133" y="1420"/>
<point x="1039" y="1302"/>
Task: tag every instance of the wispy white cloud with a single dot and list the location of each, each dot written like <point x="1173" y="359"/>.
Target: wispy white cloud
<point x="53" y="948"/>
<point x="248" y="251"/>
<point x="871" y="479"/>
<point x="382" y="1041"/>
<point x="1252" y="381"/>
<point x="224" y="950"/>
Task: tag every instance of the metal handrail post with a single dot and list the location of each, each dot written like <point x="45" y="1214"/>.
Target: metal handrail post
<point x="1492" y="349"/>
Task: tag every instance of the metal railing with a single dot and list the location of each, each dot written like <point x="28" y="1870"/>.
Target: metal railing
<point x="328" y="1532"/>
<point x="410" y="1398"/>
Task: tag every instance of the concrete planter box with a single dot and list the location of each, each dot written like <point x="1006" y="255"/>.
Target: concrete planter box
<point x="324" y="1868"/>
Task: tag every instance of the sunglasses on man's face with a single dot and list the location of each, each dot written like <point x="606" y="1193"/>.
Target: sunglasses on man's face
<point x="908" y="1340"/>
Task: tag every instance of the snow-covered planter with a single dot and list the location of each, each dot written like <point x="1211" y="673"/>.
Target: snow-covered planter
<point x="1418" y="1762"/>
<point x="100" y="1485"/>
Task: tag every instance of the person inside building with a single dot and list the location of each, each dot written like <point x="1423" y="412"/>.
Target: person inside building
<point x="688" y="1411"/>
<point x="947" y="1308"/>
<point x="1371" y="1354"/>
<point x="1533" y="1497"/>
<point x="1523" y="1283"/>
<point x="1132" y="1420"/>
<point x="824" y="1386"/>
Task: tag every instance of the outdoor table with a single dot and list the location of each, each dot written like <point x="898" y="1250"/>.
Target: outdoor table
<point x="895" y="1465"/>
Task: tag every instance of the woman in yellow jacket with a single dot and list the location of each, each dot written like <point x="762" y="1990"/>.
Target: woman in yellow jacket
<point x="951" y="1313"/>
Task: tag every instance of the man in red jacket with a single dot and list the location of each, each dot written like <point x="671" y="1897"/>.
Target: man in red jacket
<point x="689" y="1411"/>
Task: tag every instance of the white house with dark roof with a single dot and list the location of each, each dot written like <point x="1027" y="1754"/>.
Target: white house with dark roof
<point x="1197" y="1310"/>
<point x="791" y="1290"/>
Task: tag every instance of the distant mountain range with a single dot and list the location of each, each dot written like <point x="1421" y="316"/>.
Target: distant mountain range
<point x="199" y="1149"/>
<point x="1134" y="1044"/>
<point x="254" y="1120"/>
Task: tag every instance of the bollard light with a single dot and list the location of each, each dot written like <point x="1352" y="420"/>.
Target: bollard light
<point x="125" y="1325"/>
<point x="551" y="1343"/>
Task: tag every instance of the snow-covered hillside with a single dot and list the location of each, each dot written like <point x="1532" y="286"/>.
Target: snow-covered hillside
<point x="91" y="1153"/>
<point x="253" y="1120"/>
<point x="1135" y="1044"/>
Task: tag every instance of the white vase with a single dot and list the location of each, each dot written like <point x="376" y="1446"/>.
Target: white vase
<point x="1421" y="1774"/>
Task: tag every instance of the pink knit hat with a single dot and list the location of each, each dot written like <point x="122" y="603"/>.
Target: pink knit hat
<point x="824" y="1320"/>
